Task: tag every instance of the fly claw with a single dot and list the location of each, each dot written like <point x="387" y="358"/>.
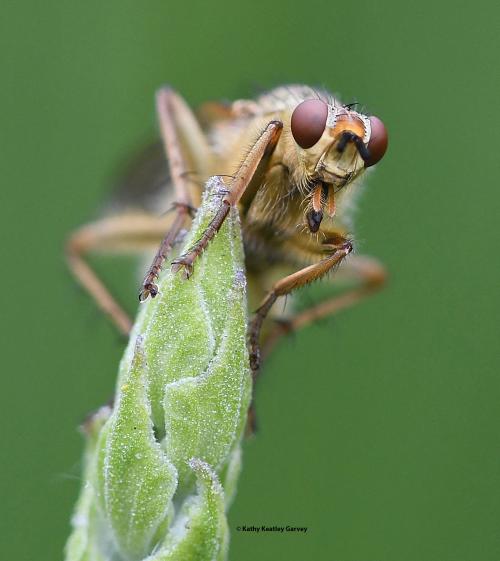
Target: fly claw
<point x="182" y="263"/>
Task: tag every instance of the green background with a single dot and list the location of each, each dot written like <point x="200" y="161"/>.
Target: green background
<point x="380" y="430"/>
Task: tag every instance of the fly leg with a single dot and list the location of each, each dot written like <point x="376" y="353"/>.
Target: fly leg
<point x="187" y="151"/>
<point x="370" y="276"/>
<point x="126" y="233"/>
<point x="260" y="152"/>
<point x="185" y="145"/>
<point x="368" y="272"/>
<point x="340" y="249"/>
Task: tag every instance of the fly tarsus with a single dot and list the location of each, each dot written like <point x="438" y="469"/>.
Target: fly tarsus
<point x="186" y="261"/>
<point x="148" y="289"/>
<point x="183" y="262"/>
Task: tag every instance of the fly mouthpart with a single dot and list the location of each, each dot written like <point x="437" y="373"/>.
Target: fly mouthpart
<point x="322" y="200"/>
<point x="314" y="218"/>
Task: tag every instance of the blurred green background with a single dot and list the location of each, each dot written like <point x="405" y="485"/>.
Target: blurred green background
<point x="379" y="431"/>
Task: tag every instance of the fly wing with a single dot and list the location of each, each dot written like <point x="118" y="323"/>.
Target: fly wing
<point x="144" y="184"/>
<point x="211" y="112"/>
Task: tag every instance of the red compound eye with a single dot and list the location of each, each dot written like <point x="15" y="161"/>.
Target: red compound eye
<point x="309" y="122"/>
<point x="377" y="145"/>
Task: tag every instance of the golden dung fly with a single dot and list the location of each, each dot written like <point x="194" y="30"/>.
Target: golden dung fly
<point x="295" y="158"/>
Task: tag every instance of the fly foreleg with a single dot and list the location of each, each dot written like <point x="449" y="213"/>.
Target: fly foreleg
<point x="285" y="286"/>
<point x="369" y="276"/>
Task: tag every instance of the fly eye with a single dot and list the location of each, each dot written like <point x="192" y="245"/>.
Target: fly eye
<point x="309" y="122"/>
<point x="377" y="144"/>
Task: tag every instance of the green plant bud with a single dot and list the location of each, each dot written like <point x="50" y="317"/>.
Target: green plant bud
<point x="201" y="531"/>
<point x="157" y="468"/>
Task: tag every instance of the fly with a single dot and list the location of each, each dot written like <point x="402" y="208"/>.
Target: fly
<point x="295" y="188"/>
